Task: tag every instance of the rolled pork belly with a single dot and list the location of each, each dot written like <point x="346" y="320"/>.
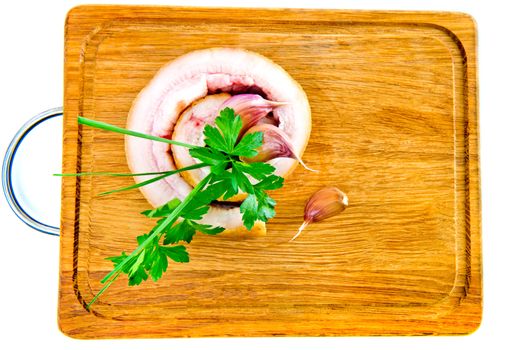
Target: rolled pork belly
<point x="184" y="96"/>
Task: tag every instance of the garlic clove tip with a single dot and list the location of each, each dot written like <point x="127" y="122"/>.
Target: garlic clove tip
<point x="305" y="166"/>
<point x="303" y="226"/>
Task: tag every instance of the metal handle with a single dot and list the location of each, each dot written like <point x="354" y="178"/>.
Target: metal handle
<point x="7" y="183"/>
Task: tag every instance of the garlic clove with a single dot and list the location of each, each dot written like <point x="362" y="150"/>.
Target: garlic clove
<point x="322" y="205"/>
<point x="251" y="108"/>
<point x="276" y="144"/>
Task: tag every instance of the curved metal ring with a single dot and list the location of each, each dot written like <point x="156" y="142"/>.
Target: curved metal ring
<point x="7" y="184"/>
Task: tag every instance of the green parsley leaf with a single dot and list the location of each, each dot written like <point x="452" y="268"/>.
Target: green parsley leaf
<point x="117" y="259"/>
<point x="248" y="144"/>
<point x="176" y="253"/>
<point x="226" y="183"/>
<point x="137" y="263"/>
<point x="219" y="168"/>
<point x="249" y="211"/>
<point x="259" y="205"/>
<point x="195" y="210"/>
<point x="133" y="268"/>
<point x="206" y="229"/>
<point x="214" y="190"/>
<point x="159" y="264"/>
<point x="214" y="139"/>
<point x="182" y="231"/>
<point x="208" y="155"/>
<point x="230" y="125"/>
<point x="240" y="179"/>
<point x="163" y="210"/>
<point x="265" y="207"/>
<point x="137" y="277"/>
<point x="152" y="261"/>
<point x="258" y="170"/>
<point x="272" y="182"/>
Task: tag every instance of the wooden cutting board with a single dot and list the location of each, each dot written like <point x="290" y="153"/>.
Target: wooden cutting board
<point x="394" y="125"/>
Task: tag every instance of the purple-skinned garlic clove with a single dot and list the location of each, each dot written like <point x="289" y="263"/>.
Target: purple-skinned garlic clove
<point x="322" y="205"/>
<point x="251" y="108"/>
<point x="276" y="144"/>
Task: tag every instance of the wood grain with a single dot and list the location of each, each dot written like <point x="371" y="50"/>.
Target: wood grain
<point x="394" y="125"/>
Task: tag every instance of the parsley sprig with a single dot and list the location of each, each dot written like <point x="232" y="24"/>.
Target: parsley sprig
<point x="178" y="221"/>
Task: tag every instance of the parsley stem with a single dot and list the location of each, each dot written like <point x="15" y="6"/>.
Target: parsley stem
<point x="169" y="220"/>
<point x="106" y="286"/>
<point x="110" y="127"/>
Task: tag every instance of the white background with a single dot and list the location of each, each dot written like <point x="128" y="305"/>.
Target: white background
<point x="31" y="74"/>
